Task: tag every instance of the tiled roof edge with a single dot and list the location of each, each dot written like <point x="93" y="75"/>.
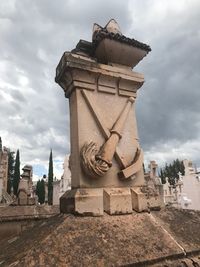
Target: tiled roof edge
<point x="99" y="36"/>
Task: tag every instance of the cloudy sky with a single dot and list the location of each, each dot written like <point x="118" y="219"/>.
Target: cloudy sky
<point x="33" y="111"/>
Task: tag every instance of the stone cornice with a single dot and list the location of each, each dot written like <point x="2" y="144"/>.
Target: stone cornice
<point x="77" y="71"/>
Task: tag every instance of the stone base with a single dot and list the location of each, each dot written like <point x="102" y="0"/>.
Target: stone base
<point x="82" y="202"/>
<point x="141" y="202"/>
<point x="26" y="201"/>
<point x="23" y="201"/>
<point x="155" y="202"/>
<point x="31" y="201"/>
<point x="117" y="201"/>
<point x="94" y="201"/>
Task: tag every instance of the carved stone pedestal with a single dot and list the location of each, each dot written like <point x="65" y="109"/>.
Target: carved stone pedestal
<point x="95" y="201"/>
<point x="106" y="158"/>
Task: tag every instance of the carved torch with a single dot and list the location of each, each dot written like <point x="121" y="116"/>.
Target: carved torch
<point x="96" y="162"/>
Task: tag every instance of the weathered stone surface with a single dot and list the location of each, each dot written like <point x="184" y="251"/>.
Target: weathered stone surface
<point x="23" y="198"/>
<point x="117" y="200"/>
<point x="139" y="201"/>
<point x="135" y="239"/>
<point x="13" y="228"/>
<point x="83" y="202"/>
<point x="190" y="261"/>
<point x="93" y="113"/>
<point x="184" y="224"/>
<point x="10" y="213"/>
<point x="98" y="79"/>
<point x="144" y="201"/>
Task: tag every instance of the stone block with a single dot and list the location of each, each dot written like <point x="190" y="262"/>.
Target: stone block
<point x="23" y="201"/>
<point x="155" y="202"/>
<point x="143" y="202"/>
<point x="139" y="201"/>
<point x="117" y="200"/>
<point x="31" y="201"/>
<point x="82" y="201"/>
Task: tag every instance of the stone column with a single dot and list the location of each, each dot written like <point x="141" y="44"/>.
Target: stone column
<point x="106" y="157"/>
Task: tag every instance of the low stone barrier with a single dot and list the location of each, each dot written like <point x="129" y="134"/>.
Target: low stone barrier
<point x="15" y="213"/>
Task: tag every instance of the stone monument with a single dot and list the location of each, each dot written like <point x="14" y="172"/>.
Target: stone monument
<point x="153" y="188"/>
<point x="106" y="159"/>
<point x="25" y="189"/>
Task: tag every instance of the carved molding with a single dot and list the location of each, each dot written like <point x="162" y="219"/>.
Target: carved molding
<point x="75" y="72"/>
<point x="107" y="84"/>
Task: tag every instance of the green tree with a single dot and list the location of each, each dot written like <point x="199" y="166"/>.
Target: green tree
<point x="182" y="168"/>
<point x="11" y="168"/>
<point x="40" y="191"/>
<point x="162" y="176"/>
<point x="16" y="176"/>
<point x="42" y="188"/>
<point x="172" y="171"/>
<point x="144" y="170"/>
<point x="50" y="180"/>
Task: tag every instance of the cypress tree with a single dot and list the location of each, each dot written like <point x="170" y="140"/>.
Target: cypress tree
<point x="50" y="180"/>
<point x="144" y="168"/>
<point x="182" y="168"/>
<point x="177" y="166"/>
<point x="40" y="191"/>
<point x="162" y="176"/>
<point x="11" y="167"/>
<point x="16" y="177"/>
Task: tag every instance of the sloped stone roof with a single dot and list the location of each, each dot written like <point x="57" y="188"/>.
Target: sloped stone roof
<point x="166" y="238"/>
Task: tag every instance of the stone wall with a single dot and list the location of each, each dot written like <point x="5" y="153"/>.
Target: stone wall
<point x="191" y="190"/>
<point x="15" y="213"/>
<point x="10" y="229"/>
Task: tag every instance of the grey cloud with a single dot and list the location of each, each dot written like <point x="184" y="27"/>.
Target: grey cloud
<point x="35" y="35"/>
<point x="168" y="104"/>
<point x="17" y="96"/>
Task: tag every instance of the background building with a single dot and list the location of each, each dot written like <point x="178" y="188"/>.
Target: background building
<point x="191" y="187"/>
<point x="61" y="186"/>
<point x="25" y="189"/>
<point x="185" y="193"/>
